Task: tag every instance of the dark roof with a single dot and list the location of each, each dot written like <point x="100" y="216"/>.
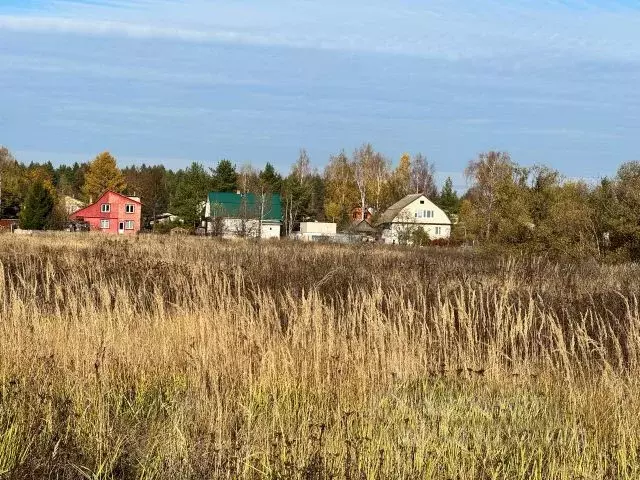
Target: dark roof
<point x="392" y="212"/>
<point x="229" y="204"/>
<point x="362" y="226"/>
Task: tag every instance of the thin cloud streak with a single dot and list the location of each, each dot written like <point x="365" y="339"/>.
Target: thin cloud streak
<point x="258" y="79"/>
<point x="517" y="34"/>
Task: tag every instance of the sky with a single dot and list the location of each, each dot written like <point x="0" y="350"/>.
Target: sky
<point x="168" y="81"/>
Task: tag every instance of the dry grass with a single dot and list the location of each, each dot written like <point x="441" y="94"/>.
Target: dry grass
<point x="191" y="358"/>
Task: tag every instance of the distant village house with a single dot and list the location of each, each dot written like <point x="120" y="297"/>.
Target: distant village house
<point x="413" y="212"/>
<point x="243" y="215"/>
<point x="112" y="213"/>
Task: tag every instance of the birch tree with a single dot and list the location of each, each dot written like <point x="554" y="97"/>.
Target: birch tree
<point x="422" y="177"/>
<point x="362" y="160"/>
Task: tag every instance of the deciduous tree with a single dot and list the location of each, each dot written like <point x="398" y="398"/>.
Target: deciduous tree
<point x="423" y="177"/>
<point x="340" y="188"/>
<point x="102" y="175"/>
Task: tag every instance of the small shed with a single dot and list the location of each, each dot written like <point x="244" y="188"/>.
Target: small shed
<point x="363" y="227"/>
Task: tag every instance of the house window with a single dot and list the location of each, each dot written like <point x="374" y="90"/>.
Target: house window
<point x="104" y="224"/>
<point x="129" y="208"/>
<point x="419" y="214"/>
<point x="427" y="213"/>
<point x="105" y="207"/>
<point x="438" y="230"/>
<point x="421" y="202"/>
<point x="128" y="225"/>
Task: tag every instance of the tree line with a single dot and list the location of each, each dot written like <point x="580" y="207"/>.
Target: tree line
<point x="366" y="178"/>
<point x="539" y="210"/>
<point x="530" y="207"/>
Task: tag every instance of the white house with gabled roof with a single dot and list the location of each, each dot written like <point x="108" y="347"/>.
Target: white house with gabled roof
<point x="413" y="212"/>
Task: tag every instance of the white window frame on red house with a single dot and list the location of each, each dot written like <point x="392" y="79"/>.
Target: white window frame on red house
<point x="130" y="208"/>
<point x="128" y="225"/>
<point x="105" y="208"/>
<point x="103" y="223"/>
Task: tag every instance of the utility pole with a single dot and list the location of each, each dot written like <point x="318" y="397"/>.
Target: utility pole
<point x="262" y="197"/>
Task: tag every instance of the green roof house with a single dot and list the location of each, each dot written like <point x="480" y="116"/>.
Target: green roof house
<point x="234" y="215"/>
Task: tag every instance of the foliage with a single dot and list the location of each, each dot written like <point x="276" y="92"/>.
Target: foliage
<point x="248" y="180"/>
<point x="38" y="207"/>
<point x="12" y="182"/>
<point x="448" y="199"/>
<point x="420" y="238"/>
<point x="164" y="228"/>
<point x="270" y="180"/>
<point x="150" y="183"/>
<point x="400" y="180"/>
<point x="192" y="188"/>
<point x="341" y="191"/>
<point x="225" y="177"/>
<point x="102" y="175"/>
<point x="533" y="209"/>
<point x="423" y="177"/>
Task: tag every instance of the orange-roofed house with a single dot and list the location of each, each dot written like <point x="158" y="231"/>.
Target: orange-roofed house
<point x="112" y="213"/>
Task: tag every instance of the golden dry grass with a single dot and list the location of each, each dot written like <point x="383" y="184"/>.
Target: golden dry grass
<point x="191" y="358"/>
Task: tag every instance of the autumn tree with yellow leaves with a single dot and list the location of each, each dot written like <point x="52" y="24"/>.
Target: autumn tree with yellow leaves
<point x="103" y="175"/>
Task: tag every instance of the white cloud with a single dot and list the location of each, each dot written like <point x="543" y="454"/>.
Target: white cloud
<point x="518" y="34"/>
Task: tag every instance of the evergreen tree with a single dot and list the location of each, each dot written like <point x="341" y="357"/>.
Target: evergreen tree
<point x="38" y="207"/>
<point x="102" y="175"/>
<point x="449" y="201"/>
<point x="270" y="180"/>
<point x="225" y="177"/>
<point x="192" y="187"/>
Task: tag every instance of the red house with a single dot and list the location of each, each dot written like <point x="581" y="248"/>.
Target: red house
<point x="112" y="213"/>
<point x="356" y="214"/>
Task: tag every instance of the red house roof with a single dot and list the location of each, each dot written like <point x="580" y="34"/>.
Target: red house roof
<point x="129" y="199"/>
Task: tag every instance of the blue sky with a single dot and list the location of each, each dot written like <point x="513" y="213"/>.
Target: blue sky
<point x="168" y="81"/>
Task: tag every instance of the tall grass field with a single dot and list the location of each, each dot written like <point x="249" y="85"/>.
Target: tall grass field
<point x="189" y="358"/>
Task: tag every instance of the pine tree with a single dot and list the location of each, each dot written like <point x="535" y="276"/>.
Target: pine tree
<point x="102" y="175"/>
<point x="225" y="177"/>
<point x="38" y="207"/>
<point x="270" y="180"/>
<point x="449" y="201"/>
<point x="191" y="192"/>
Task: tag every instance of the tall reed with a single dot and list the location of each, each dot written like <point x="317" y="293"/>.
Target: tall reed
<point x="194" y="358"/>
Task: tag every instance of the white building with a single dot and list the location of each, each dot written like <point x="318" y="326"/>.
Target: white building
<point x="310" y="231"/>
<point x="166" y="217"/>
<point x="413" y="212"/>
<point x="72" y="205"/>
<point x="236" y="215"/>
